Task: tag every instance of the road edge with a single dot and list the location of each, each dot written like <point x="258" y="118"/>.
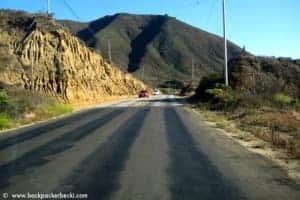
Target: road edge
<point x="290" y="165"/>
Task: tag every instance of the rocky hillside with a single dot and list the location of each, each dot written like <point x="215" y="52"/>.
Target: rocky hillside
<point x="161" y="45"/>
<point x="38" y="54"/>
<point x="266" y="75"/>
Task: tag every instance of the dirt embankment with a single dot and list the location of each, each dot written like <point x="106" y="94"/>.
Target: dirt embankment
<point x="39" y="55"/>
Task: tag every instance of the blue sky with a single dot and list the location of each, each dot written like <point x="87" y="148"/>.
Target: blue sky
<point x="264" y="27"/>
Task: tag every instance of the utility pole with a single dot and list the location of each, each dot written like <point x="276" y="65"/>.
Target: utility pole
<point x="193" y="70"/>
<point x="48" y="7"/>
<point x="170" y="83"/>
<point x="158" y="77"/>
<point x="109" y="51"/>
<point x="225" y="44"/>
<point x="31" y="69"/>
<point x="143" y="73"/>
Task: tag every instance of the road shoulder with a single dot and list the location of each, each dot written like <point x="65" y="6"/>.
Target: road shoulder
<point x="256" y="145"/>
<point x="77" y="110"/>
<point x="256" y="176"/>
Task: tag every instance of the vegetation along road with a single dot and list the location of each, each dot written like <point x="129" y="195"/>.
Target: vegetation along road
<point x="141" y="149"/>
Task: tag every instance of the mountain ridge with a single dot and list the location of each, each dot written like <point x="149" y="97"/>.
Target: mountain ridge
<point x="169" y="51"/>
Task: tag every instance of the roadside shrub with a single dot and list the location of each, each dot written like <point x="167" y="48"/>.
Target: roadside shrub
<point x="4" y="101"/>
<point x="222" y="97"/>
<point x="282" y="99"/>
<point x="57" y="109"/>
<point x="187" y="90"/>
<point x="5" y="121"/>
<point x="252" y="101"/>
<point x="18" y="106"/>
<point x="223" y="123"/>
<point x="207" y="82"/>
<point x="172" y="84"/>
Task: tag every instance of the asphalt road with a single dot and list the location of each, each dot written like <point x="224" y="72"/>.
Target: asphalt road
<point x="150" y="149"/>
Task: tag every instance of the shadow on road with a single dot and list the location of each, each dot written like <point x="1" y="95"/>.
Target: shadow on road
<point x="98" y="175"/>
<point x="192" y="175"/>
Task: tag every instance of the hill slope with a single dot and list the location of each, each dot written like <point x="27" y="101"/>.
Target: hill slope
<point x="263" y="99"/>
<point x="38" y="54"/>
<point x="162" y="45"/>
<point x="265" y="75"/>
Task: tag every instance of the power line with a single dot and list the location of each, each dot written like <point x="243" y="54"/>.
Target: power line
<point x="109" y="51"/>
<point x="71" y="9"/>
<point x="143" y="73"/>
<point x="75" y="14"/>
<point x="193" y="69"/>
<point x="212" y="8"/>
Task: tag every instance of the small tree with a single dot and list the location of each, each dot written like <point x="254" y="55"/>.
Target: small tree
<point x="4" y="101"/>
<point x="282" y="99"/>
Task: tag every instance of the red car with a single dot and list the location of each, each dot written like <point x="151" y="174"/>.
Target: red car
<point x="143" y="94"/>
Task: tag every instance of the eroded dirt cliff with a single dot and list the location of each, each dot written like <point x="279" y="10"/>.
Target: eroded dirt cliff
<point x="38" y="54"/>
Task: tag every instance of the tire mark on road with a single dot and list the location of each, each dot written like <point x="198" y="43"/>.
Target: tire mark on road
<point x="39" y="156"/>
<point x="98" y="175"/>
<point x="192" y="175"/>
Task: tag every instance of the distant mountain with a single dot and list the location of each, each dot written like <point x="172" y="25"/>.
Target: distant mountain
<point x="158" y="46"/>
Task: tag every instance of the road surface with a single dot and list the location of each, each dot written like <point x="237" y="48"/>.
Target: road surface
<point x="150" y="149"/>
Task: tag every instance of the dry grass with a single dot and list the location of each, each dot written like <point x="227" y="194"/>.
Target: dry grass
<point x="279" y="127"/>
<point x="224" y="123"/>
<point x="25" y="107"/>
<point x="284" y="121"/>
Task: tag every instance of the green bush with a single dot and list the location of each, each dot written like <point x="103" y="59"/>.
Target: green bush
<point x="222" y="97"/>
<point x="57" y="109"/>
<point x="282" y="99"/>
<point x="5" y="121"/>
<point x="4" y="101"/>
<point x="207" y="82"/>
<point x="176" y="84"/>
<point x="187" y="90"/>
<point x="18" y="106"/>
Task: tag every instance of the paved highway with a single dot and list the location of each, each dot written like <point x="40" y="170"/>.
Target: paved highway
<point x="149" y="149"/>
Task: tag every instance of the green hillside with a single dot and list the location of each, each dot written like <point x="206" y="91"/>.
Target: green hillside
<point x="158" y="46"/>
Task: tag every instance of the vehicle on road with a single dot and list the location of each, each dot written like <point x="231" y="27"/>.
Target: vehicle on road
<point x="144" y="94"/>
<point x="156" y="92"/>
